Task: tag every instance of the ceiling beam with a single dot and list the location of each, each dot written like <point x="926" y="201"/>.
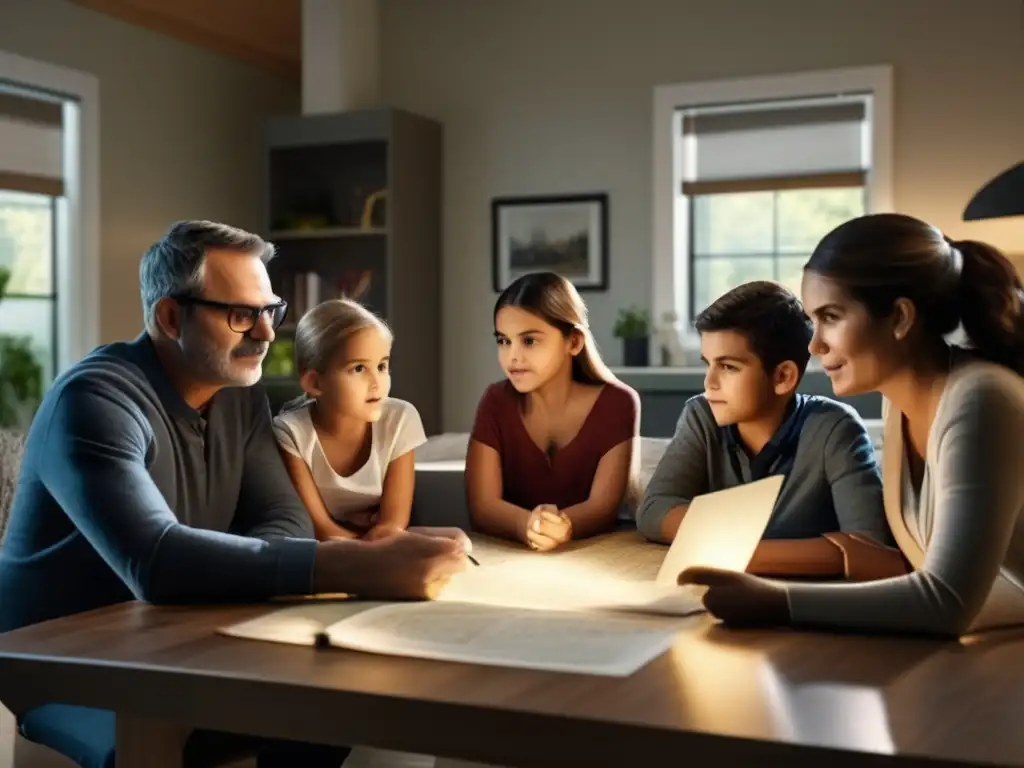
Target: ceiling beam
<point x="265" y="33"/>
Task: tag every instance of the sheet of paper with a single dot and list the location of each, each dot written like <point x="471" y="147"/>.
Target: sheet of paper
<point x="563" y="584"/>
<point x="556" y="641"/>
<point x="298" y="624"/>
<point x="722" y="529"/>
<point x="623" y="554"/>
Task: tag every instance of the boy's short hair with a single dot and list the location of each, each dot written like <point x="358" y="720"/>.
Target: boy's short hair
<point x="769" y="315"/>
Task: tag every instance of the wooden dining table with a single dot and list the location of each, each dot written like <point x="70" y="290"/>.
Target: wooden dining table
<point x="717" y="697"/>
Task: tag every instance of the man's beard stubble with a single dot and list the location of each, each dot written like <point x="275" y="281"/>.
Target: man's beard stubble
<point x="210" y="364"/>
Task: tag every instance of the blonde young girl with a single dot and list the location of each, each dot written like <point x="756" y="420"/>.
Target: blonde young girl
<point x="551" y="455"/>
<point x="347" y="446"/>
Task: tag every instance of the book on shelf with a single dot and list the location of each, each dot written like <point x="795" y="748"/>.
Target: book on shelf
<point x="306" y="293"/>
<point x="304" y="290"/>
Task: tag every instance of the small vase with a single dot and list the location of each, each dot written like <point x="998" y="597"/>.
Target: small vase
<point x="636" y="352"/>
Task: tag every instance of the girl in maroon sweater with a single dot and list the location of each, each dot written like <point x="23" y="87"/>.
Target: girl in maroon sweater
<point x="552" y="449"/>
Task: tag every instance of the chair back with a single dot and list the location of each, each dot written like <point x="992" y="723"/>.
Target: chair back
<point x="12" y="447"/>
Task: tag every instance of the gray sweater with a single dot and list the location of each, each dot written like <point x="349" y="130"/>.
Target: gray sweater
<point x="833" y="482"/>
<point x="963" y="530"/>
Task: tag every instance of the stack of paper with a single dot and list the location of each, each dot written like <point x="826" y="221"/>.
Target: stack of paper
<point x="574" y="611"/>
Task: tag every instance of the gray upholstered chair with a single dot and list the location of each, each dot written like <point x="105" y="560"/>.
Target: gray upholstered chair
<point x="12" y="444"/>
<point x="26" y="754"/>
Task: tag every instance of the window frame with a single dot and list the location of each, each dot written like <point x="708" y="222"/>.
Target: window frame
<point x="56" y="332"/>
<point x="671" y="276"/>
<point x="77" y="213"/>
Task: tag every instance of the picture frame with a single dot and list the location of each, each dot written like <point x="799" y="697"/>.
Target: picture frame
<point x="567" y="234"/>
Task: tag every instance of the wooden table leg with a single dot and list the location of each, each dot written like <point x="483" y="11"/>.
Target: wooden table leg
<point x="8" y="737"/>
<point x="146" y="743"/>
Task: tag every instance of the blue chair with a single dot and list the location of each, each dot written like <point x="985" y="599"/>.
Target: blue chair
<point x="84" y="735"/>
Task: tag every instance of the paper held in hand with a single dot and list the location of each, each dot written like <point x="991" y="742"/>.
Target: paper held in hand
<point x="583" y="610"/>
<point x="722" y="529"/>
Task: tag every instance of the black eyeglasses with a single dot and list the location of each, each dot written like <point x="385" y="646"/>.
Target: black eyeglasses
<point x="242" y="318"/>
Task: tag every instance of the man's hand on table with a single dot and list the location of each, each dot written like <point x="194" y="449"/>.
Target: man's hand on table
<point x="408" y="565"/>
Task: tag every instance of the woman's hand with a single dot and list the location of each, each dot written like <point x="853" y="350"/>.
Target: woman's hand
<point x="547" y="528"/>
<point x="739" y="599"/>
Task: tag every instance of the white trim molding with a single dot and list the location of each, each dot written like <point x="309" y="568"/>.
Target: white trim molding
<point x="670" y="280"/>
<point x="78" y="247"/>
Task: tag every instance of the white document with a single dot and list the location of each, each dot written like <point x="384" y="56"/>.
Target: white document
<point x="563" y="584"/>
<point x="556" y="641"/>
<point x="722" y="529"/>
<point x="571" y="611"/>
<point x="568" y="611"/>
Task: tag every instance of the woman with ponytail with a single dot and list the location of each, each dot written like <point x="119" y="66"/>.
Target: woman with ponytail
<point x="551" y="455"/>
<point x="886" y="293"/>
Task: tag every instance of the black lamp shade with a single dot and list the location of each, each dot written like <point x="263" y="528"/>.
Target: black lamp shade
<point x="1002" y="196"/>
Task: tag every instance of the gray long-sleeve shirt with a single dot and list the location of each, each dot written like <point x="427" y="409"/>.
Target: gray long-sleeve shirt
<point x="964" y="526"/>
<point x="833" y="482"/>
<point x="126" y="491"/>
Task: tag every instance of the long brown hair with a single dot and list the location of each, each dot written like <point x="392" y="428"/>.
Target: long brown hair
<point x="884" y="257"/>
<point x="555" y="300"/>
<point x="321" y="334"/>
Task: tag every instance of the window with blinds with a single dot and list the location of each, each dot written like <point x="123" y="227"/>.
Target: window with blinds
<point x="764" y="182"/>
<point x="31" y="183"/>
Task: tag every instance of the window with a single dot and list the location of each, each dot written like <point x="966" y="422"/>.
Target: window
<point x="36" y="158"/>
<point x="31" y="181"/>
<point x="764" y="181"/>
<point x="50" y="209"/>
<point x="750" y="173"/>
<point x="737" y="237"/>
<point x="28" y="307"/>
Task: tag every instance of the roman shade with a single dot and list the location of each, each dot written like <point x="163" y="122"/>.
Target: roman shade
<point x="798" y="144"/>
<point x="31" y="144"/>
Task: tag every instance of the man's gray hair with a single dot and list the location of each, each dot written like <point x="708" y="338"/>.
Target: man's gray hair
<point x="173" y="265"/>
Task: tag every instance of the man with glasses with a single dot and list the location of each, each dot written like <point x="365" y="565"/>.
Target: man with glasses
<point x="151" y="472"/>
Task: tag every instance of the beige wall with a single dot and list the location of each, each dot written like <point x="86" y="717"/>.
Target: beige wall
<point x="544" y="96"/>
<point x="180" y="133"/>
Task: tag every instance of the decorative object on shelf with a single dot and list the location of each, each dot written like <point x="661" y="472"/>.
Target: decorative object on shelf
<point x="564" y="234"/>
<point x="633" y="326"/>
<point x="999" y="197"/>
<point x="280" y="359"/>
<point x="354" y="284"/>
<point x="21" y="375"/>
<point x="670" y="336"/>
<point x="310" y="209"/>
<point x="374" y="210"/>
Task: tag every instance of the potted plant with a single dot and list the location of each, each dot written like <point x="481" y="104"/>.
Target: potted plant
<point x="633" y="326"/>
<point x="21" y="375"/>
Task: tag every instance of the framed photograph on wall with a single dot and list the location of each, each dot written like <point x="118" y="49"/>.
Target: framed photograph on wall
<point x="566" y="234"/>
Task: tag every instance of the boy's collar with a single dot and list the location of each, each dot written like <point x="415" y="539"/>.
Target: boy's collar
<point x="787" y="434"/>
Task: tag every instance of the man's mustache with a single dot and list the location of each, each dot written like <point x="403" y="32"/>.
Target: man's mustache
<point x="250" y="348"/>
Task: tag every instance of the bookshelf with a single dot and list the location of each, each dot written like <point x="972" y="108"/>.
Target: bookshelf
<point x="353" y="204"/>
